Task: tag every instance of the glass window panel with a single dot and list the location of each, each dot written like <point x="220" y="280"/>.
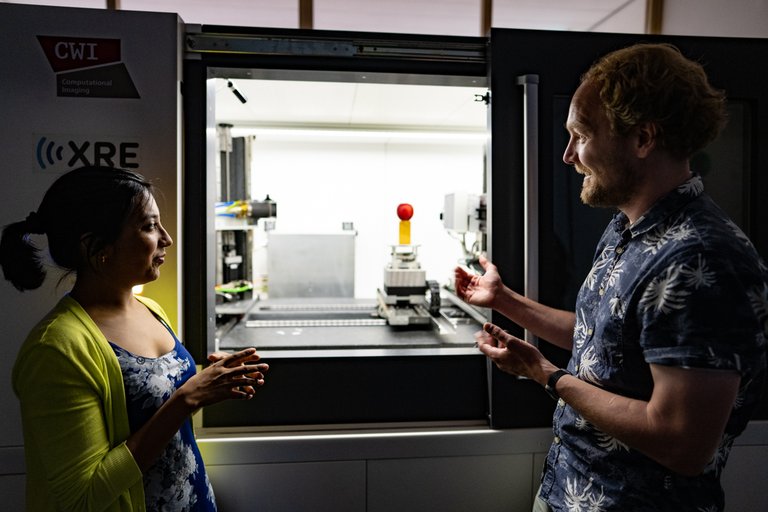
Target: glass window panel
<point x="448" y="17"/>
<point x="93" y="4"/>
<point x="243" y="13"/>
<point x="379" y="145"/>
<point x="593" y="16"/>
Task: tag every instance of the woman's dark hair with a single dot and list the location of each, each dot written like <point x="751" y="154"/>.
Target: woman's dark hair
<point x="87" y="206"/>
<point x="656" y="83"/>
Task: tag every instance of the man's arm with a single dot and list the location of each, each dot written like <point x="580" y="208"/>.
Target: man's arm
<point x="550" y="324"/>
<point x="680" y="427"/>
<point x="488" y="290"/>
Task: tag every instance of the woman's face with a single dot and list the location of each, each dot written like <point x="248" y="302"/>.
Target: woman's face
<point x="135" y="257"/>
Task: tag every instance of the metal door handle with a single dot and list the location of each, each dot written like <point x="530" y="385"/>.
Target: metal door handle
<point x="530" y="84"/>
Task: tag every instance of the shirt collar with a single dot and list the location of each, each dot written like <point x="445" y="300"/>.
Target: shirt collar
<point x="662" y="209"/>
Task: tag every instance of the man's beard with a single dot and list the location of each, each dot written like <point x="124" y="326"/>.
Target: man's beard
<point x="610" y="189"/>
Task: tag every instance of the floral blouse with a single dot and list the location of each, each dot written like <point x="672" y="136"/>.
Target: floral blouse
<point x="682" y="286"/>
<point x="177" y="482"/>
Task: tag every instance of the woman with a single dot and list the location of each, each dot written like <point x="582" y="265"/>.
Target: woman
<point x="106" y="389"/>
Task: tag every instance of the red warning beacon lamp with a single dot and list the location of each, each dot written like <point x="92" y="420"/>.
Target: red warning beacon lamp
<point x="405" y="212"/>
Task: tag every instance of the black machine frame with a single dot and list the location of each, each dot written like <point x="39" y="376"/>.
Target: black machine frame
<point x="552" y="63"/>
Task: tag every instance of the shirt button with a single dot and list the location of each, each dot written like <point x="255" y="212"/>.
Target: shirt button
<point x="590" y="331"/>
<point x="560" y="402"/>
<point x="601" y="291"/>
<point x="557" y="440"/>
<point x="619" y="250"/>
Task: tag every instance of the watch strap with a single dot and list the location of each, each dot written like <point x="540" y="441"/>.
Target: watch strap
<point x="555" y="376"/>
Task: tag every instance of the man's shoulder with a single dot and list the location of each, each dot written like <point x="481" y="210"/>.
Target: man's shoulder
<point x="703" y="228"/>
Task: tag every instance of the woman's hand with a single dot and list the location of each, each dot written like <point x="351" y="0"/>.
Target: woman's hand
<point x="229" y="376"/>
<point x="258" y="374"/>
<point x="479" y="290"/>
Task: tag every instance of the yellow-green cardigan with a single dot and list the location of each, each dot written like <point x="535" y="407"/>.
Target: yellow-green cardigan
<point x="74" y="416"/>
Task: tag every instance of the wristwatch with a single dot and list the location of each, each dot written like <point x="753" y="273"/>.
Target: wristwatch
<point x="552" y="382"/>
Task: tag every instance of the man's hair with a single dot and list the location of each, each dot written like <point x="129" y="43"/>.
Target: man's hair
<point x="656" y="83"/>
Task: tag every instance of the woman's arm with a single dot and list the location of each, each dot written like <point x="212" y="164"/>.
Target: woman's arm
<point x="234" y="376"/>
<point x="66" y="437"/>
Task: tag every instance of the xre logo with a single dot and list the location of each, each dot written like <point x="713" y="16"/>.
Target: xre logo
<point x="78" y="153"/>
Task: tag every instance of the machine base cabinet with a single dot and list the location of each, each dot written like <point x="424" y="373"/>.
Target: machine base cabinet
<point x="447" y="484"/>
<point x="480" y="470"/>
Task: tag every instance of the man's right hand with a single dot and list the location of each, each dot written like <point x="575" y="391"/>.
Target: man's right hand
<point x="479" y="290"/>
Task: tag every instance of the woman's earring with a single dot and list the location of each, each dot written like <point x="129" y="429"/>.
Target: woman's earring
<point x="103" y="259"/>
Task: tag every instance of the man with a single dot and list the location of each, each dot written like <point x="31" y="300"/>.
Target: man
<point x="668" y="337"/>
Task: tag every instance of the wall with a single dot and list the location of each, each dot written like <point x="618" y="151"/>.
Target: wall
<point x="739" y="18"/>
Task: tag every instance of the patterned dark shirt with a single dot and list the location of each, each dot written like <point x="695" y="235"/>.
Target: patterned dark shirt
<point x="682" y="286"/>
<point x="177" y="481"/>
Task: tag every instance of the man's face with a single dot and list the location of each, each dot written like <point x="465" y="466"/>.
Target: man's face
<point x="601" y="156"/>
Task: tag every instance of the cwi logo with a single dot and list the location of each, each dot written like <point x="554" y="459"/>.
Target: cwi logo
<point x="69" y="53"/>
<point x="88" y="67"/>
<point x="53" y="156"/>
